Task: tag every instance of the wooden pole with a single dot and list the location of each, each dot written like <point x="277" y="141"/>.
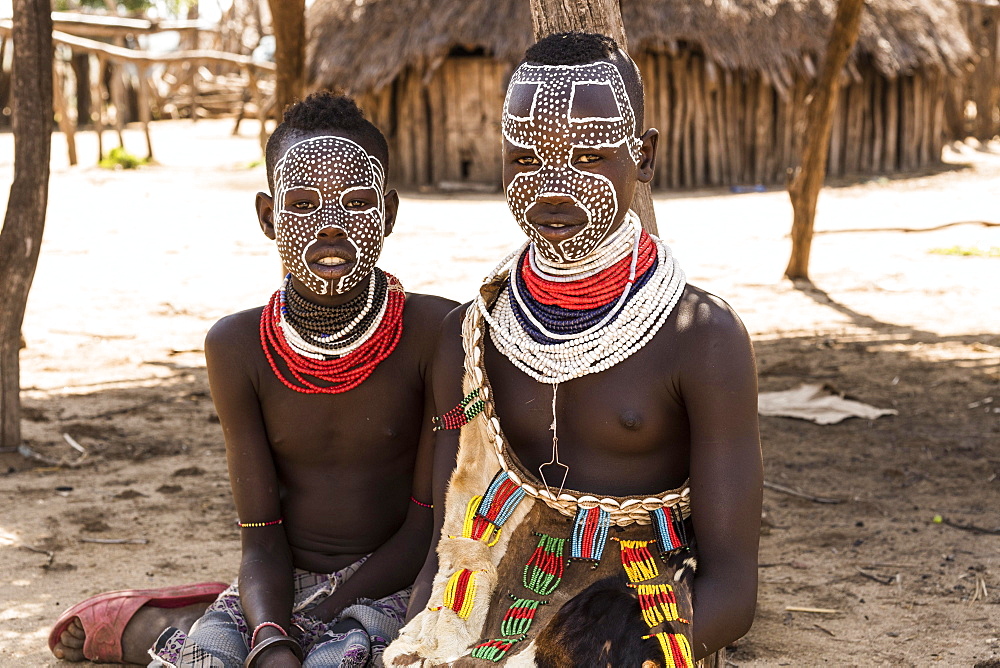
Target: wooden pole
<point x="97" y="104"/>
<point x="807" y="179"/>
<point x="21" y="237"/>
<point x="59" y="103"/>
<point x="145" y="113"/>
<point x="288" y="19"/>
<point x="596" y="16"/>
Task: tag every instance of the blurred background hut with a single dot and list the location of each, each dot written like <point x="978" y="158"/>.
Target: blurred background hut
<point x="977" y="107"/>
<point x="725" y="83"/>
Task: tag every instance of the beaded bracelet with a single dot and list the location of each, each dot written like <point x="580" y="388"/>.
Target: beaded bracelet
<point x="264" y="625"/>
<point x="254" y="525"/>
<point x="420" y="503"/>
<point x="268" y="643"/>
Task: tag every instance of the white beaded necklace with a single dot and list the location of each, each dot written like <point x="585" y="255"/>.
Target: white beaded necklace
<point x="610" y="251"/>
<point x="307" y="349"/>
<point x="598" y="348"/>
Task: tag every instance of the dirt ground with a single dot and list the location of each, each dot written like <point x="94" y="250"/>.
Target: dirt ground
<point x="136" y="265"/>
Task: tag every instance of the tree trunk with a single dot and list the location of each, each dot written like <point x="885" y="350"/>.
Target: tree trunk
<point x="807" y="179"/>
<point x="21" y="236"/>
<point x="596" y="16"/>
<point x="288" y="17"/>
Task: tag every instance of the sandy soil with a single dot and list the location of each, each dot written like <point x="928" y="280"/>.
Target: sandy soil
<point x="136" y="265"/>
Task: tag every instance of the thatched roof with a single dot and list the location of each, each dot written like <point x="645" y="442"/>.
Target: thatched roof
<point x="361" y="45"/>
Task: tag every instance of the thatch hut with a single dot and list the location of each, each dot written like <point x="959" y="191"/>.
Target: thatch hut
<point x="726" y="82"/>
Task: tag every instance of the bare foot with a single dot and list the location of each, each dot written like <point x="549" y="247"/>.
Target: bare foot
<point x="139" y="634"/>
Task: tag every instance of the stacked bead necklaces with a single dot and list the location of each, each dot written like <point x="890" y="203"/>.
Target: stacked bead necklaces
<point x="559" y="322"/>
<point x="339" y="345"/>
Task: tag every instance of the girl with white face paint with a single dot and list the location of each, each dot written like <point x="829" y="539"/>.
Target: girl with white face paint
<point x="550" y="111"/>
<point x="598" y="389"/>
<point x="323" y="397"/>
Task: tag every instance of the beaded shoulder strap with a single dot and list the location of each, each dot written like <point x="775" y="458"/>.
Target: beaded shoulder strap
<point x="622" y="510"/>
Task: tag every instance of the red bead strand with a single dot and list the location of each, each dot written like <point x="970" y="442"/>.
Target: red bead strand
<point x="344" y="373"/>
<point x="594" y="291"/>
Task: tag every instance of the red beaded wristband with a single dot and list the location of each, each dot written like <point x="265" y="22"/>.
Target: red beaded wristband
<point x="420" y="503"/>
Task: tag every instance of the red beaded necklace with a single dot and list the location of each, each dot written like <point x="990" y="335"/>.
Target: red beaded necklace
<point x="343" y="373"/>
<point x="594" y="291"/>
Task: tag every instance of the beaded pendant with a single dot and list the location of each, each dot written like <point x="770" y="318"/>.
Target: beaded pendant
<point x="590" y="533"/>
<point x="544" y="570"/>
<point x="460" y="592"/>
<point x="519" y="616"/>
<point x="637" y="560"/>
<point x="670" y="531"/>
<point x="658" y="603"/>
<point x="494" y="650"/>
<point x="676" y="649"/>
<point x="461" y="415"/>
<point x="475" y="527"/>
<point x="499" y="502"/>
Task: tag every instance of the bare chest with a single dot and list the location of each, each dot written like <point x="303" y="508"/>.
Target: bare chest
<point x="381" y="418"/>
<point x="622" y="431"/>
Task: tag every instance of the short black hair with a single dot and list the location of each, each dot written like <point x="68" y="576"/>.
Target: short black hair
<point x="321" y="112"/>
<point x="583" y="48"/>
<point x="600" y="626"/>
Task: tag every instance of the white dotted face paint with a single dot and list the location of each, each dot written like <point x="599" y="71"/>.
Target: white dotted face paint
<point x="539" y="114"/>
<point x="335" y="185"/>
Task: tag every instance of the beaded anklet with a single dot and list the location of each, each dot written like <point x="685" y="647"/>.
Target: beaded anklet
<point x="264" y="625"/>
<point x="255" y="525"/>
<point x="421" y="503"/>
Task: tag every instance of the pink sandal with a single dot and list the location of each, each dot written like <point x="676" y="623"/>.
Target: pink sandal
<point x="105" y="616"/>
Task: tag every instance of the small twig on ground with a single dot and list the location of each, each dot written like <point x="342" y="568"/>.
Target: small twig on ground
<point x="73" y="444"/>
<point x="983" y="223"/>
<point x="885" y="581"/>
<point x="970" y="527"/>
<point x="774" y="487"/>
<point x="826" y="631"/>
<point x="38" y="550"/>
<point x="980" y="592"/>
<point x="885" y="564"/>
<point x="817" y="611"/>
<point x="115" y="541"/>
<point x="26" y="451"/>
<point x="181" y="352"/>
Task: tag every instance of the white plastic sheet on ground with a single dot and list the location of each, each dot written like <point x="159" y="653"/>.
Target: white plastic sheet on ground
<point x="817" y="404"/>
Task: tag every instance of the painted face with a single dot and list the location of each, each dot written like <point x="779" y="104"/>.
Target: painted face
<point x="559" y="123"/>
<point x="329" y="213"/>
